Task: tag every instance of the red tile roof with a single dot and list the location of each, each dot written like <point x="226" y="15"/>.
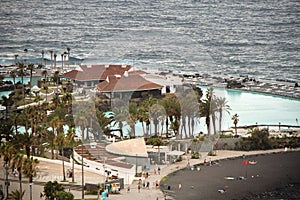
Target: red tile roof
<point x="96" y="72"/>
<point x="132" y="82"/>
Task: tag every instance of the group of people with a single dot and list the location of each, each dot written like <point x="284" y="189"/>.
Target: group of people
<point x="157" y="170"/>
<point x="143" y="184"/>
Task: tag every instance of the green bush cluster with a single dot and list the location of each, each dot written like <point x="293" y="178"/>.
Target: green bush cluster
<point x="260" y="140"/>
<point x="195" y="155"/>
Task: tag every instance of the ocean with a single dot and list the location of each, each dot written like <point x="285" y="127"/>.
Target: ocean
<point x="256" y="38"/>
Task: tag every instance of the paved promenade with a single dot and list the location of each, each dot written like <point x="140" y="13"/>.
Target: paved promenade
<point x="54" y="171"/>
<point x="153" y="193"/>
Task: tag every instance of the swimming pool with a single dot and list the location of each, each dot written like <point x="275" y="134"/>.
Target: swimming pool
<point x="253" y="107"/>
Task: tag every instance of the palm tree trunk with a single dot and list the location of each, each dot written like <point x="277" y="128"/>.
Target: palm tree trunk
<point x="235" y="127"/>
<point x="189" y="125"/>
<point x="20" y="182"/>
<point x="52" y="149"/>
<point x="73" y="172"/>
<point x="167" y="126"/>
<point x="207" y="121"/>
<point x="63" y="164"/>
<point x="220" y="120"/>
<point x="213" y="119"/>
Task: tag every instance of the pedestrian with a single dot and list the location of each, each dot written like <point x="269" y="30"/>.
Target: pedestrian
<point x="128" y="189"/>
<point x="148" y="185"/>
<point x="158" y="169"/>
<point x="179" y="186"/>
<point x="139" y="188"/>
<point x="156" y="184"/>
<point x="41" y="195"/>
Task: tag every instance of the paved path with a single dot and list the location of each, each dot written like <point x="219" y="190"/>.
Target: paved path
<point x="151" y="193"/>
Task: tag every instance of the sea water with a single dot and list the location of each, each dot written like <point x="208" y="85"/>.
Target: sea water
<point x="256" y="38"/>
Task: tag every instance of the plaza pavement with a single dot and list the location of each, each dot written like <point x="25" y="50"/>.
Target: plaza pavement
<point x="153" y="193"/>
<point x="51" y="172"/>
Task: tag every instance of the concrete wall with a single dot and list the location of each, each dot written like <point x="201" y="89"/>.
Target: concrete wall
<point x="126" y="174"/>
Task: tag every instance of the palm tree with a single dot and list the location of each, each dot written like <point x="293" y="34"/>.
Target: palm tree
<point x="16" y="57"/>
<point x="51" y="56"/>
<point x="56" y="100"/>
<point x="235" y="119"/>
<point x="81" y="121"/>
<point x="103" y="122"/>
<point x="222" y="105"/>
<point x="55" y="55"/>
<point x="62" y="62"/>
<point x="18" y="160"/>
<point x="71" y="143"/>
<point x="156" y="111"/>
<point x="16" y="195"/>
<point x="13" y="75"/>
<point x="7" y="103"/>
<point x="7" y="151"/>
<point x="46" y="89"/>
<point x="21" y="71"/>
<point x="44" y="73"/>
<point x="133" y="112"/>
<point x="206" y="108"/>
<point x="65" y="57"/>
<point x="189" y="109"/>
<point x="29" y="170"/>
<point x="213" y="113"/>
<point x="144" y="110"/>
<point x="67" y="101"/>
<point x="68" y="49"/>
<point x="120" y="115"/>
<point x="30" y="67"/>
<point x="61" y="140"/>
<point x="56" y="77"/>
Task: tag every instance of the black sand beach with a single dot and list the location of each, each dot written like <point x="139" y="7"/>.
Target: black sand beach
<point x="275" y="176"/>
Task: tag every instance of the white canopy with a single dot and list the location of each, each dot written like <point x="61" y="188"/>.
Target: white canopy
<point x="35" y="88"/>
<point x="175" y="153"/>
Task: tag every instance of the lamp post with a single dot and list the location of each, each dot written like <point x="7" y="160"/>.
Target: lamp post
<point x="30" y="186"/>
<point x="136" y="164"/>
<point x="62" y="62"/>
<point x="16" y="56"/>
<point x="82" y="168"/>
<point x="6" y="179"/>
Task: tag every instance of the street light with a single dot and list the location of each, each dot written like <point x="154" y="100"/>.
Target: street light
<point x="136" y="164"/>
<point x="30" y="186"/>
<point x="82" y="168"/>
<point x="6" y="179"/>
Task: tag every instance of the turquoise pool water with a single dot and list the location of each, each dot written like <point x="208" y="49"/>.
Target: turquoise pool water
<point x="258" y="108"/>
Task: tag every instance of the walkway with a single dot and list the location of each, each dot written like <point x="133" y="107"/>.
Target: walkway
<point x="52" y="171"/>
<point x="153" y="193"/>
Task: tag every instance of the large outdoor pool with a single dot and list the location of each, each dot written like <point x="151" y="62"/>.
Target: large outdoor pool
<point x="258" y="108"/>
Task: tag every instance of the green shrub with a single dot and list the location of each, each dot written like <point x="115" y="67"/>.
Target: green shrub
<point x="195" y="155"/>
<point x="211" y="153"/>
